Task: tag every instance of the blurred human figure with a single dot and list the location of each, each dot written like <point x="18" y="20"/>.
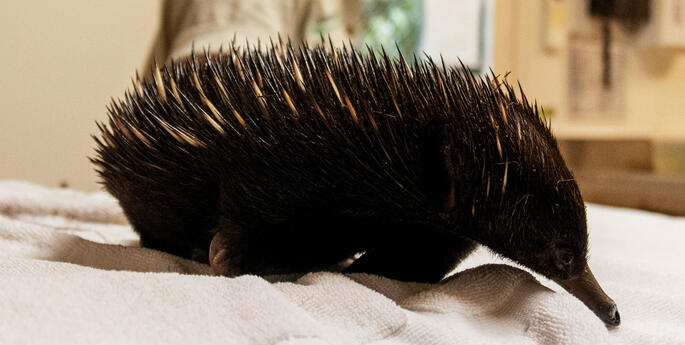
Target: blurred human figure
<point x="186" y="24"/>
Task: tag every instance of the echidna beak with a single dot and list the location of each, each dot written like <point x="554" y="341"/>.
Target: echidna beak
<point x="586" y="288"/>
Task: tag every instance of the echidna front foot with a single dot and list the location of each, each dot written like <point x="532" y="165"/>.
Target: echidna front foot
<point x="419" y="256"/>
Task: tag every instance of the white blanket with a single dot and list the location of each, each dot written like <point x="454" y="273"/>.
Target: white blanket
<point x="71" y="272"/>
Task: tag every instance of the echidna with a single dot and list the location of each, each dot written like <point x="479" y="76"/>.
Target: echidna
<point x="281" y="159"/>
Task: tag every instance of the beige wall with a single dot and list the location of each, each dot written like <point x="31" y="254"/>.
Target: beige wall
<point x="61" y="61"/>
<point x="655" y="78"/>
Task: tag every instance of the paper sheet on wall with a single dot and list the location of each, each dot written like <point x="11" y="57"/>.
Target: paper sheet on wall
<point x="589" y="97"/>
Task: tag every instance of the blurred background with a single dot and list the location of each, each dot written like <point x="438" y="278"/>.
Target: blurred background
<point x="609" y="73"/>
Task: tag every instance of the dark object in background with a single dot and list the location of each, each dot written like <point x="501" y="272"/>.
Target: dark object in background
<point x="285" y="160"/>
<point x="631" y="13"/>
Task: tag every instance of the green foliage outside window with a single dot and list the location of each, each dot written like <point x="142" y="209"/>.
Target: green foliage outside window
<point x="387" y="22"/>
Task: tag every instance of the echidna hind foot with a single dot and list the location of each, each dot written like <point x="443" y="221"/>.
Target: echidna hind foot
<point x="223" y="259"/>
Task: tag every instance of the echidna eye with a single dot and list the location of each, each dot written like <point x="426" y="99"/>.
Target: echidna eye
<point x="566" y="258"/>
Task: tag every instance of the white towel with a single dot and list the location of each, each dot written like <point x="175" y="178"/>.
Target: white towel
<point x="71" y="272"/>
